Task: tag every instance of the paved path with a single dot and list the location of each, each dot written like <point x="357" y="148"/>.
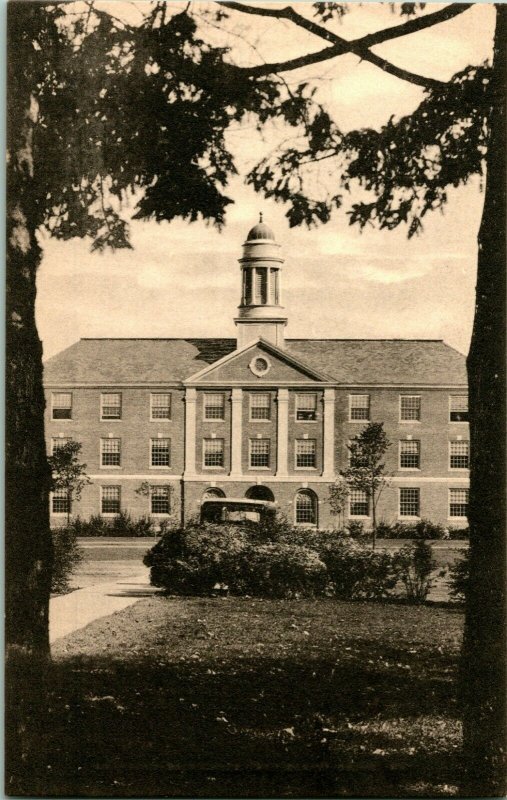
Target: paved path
<point x="70" y="612"/>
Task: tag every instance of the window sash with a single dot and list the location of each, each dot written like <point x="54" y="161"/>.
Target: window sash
<point x="57" y="443"/>
<point x="160" y="406"/>
<point x="458" y="502"/>
<point x="110" y="500"/>
<point x="62" y="405"/>
<point x="260" y="406"/>
<point x="60" y="502"/>
<point x="359" y="504"/>
<point x="305" y="509"/>
<point x="160" y="500"/>
<point x="214" y="406"/>
<point x="213" y="452"/>
<point x="306" y="407"/>
<point x="409" y="502"/>
<point x="110" y="452"/>
<point x="306" y="453"/>
<point x="458" y="408"/>
<point x="359" y="405"/>
<point x="259" y="452"/>
<point x="111" y="405"/>
<point x="410" y="454"/>
<point x="410" y="407"/>
<point x="160" y="452"/>
<point x="459" y="454"/>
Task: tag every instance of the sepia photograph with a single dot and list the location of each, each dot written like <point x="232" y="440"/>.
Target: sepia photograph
<point x="255" y="399"/>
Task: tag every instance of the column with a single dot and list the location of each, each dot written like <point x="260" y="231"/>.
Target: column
<point x="236" y="431"/>
<point x="282" y="432"/>
<point x="190" y="409"/>
<point x="328" y="460"/>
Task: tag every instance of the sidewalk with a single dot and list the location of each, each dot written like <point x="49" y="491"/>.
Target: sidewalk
<point x="70" y="612"/>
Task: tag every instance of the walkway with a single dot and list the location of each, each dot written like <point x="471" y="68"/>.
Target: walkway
<point x="70" y="612"/>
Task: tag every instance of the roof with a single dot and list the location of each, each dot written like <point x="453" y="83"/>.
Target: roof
<point x="260" y="231"/>
<point x="366" y="362"/>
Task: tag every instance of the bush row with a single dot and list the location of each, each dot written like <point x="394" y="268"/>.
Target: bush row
<point x="285" y="562"/>
<point x="123" y="524"/>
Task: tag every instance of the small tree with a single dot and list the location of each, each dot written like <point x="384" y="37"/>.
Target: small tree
<point x="67" y="473"/>
<point x="338" y="493"/>
<point x="366" y="471"/>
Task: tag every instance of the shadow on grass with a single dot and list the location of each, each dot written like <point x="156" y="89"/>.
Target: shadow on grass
<point x="361" y="723"/>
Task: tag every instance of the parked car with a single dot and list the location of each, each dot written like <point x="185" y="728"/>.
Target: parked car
<point x="236" y="510"/>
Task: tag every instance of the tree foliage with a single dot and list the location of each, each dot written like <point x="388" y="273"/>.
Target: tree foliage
<point x="67" y="473"/>
<point x="367" y="470"/>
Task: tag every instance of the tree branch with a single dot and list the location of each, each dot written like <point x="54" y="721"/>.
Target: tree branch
<point x="359" y="47"/>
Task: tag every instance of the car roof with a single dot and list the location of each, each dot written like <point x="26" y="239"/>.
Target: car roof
<point x="242" y="500"/>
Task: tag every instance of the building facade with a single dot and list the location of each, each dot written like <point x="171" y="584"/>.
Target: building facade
<point x="164" y="423"/>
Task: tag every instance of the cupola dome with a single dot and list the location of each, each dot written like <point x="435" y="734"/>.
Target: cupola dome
<point x="260" y="231"/>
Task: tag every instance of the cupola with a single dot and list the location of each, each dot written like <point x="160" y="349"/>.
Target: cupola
<point x="260" y="311"/>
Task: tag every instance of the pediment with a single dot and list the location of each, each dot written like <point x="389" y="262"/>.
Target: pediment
<point x="258" y="363"/>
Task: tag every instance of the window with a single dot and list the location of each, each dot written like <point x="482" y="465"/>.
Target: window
<point x="409" y="503"/>
<point x="359" y="407"/>
<point x="410" y="454"/>
<point x="260" y="406"/>
<point x="214" y="406"/>
<point x="160" y="453"/>
<point x="459" y="454"/>
<point x="212" y="492"/>
<point x="111" y="406"/>
<point x="458" y="502"/>
<point x="306" y="407"/>
<point x="306" y="507"/>
<point x="58" y="443"/>
<point x="359" y="503"/>
<point x="213" y="452"/>
<point x="410" y="408"/>
<point x="160" y="500"/>
<point x="160" y="406"/>
<point x="273" y="287"/>
<point x="458" y="408"/>
<point x="261" y="286"/>
<point x="306" y="453"/>
<point x="110" y="501"/>
<point x="62" y="405"/>
<point x="60" y="502"/>
<point x="259" y="452"/>
<point x="110" y="452"/>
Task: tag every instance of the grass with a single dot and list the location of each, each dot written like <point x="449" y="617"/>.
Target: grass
<point x="242" y="697"/>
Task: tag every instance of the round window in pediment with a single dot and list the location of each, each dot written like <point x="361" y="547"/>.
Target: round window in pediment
<point x="260" y="366"/>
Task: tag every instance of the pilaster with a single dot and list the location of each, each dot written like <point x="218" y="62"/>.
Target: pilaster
<point x="282" y="432"/>
<point x="236" y="430"/>
<point x="329" y="444"/>
<point x="190" y="429"/>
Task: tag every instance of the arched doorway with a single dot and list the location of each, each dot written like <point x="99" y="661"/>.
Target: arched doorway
<point x="260" y="493"/>
<point x="212" y="492"/>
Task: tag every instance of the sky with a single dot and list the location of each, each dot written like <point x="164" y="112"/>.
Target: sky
<point x="184" y="280"/>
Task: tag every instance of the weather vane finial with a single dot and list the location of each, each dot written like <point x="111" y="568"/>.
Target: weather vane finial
<point x="260" y="216"/>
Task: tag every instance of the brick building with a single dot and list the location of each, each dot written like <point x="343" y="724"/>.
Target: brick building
<point x="261" y="416"/>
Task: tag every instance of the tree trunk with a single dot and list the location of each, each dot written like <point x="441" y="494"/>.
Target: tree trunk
<point x="374" y="520"/>
<point x="483" y="664"/>
<point x="28" y="550"/>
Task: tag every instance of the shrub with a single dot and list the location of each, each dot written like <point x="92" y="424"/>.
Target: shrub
<point x="67" y="555"/>
<point x="459" y="533"/>
<point x="414" y="564"/>
<point x="357" y="572"/>
<point x="191" y="560"/>
<point x="279" y="570"/>
<point x="424" y="529"/>
<point x="123" y="524"/>
<point x="459" y="574"/>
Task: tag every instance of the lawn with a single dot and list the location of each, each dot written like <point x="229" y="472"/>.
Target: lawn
<point x="240" y="697"/>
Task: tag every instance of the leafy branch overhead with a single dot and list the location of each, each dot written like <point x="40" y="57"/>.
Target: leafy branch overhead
<point x="139" y="114"/>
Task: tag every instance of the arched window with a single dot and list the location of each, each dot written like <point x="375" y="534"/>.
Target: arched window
<point x="212" y="492"/>
<point x="260" y="493"/>
<point x="306" y="507"/>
